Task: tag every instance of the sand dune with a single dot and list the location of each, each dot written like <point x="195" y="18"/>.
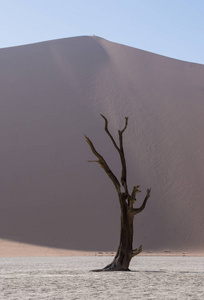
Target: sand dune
<point x="51" y="94"/>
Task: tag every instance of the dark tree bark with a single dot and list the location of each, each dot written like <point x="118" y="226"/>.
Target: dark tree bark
<point x="125" y="251"/>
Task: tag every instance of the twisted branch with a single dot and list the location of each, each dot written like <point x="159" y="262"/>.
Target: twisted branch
<point x="136" y="251"/>
<point x="138" y="210"/>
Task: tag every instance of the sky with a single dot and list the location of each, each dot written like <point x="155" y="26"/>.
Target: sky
<point x="174" y="28"/>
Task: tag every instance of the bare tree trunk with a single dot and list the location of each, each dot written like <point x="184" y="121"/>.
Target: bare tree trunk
<point x="123" y="256"/>
<point x="125" y="251"/>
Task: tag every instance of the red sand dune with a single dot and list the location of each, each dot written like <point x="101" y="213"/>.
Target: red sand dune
<point x="51" y="94"/>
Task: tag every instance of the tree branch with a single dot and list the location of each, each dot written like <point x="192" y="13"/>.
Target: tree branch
<point x="104" y="165"/>
<point x="138" y="210"/>
<point x="109" y="134"/>
<point x="132" y="198"/>
<point x="122" y="158"/>
<point x="136" y="251"/>
<point x="120" y="151"/>
<point x="126" y="123"/>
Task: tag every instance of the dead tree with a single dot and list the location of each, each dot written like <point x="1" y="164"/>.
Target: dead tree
<point x="125" y="251"/>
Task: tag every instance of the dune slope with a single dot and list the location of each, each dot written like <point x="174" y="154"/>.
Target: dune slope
<point x="52" y="93"/>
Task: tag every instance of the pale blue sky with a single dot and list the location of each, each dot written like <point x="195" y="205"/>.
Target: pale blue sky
<point x="173" y="28"/>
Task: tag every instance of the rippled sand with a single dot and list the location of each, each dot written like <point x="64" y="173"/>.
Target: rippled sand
<point x="70" y="278"/>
